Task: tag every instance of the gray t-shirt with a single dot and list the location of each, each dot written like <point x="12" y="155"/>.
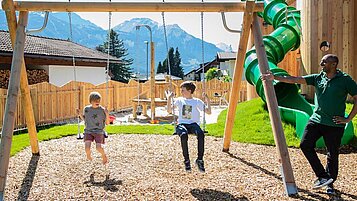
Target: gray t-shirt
<point x="94" y="119"/>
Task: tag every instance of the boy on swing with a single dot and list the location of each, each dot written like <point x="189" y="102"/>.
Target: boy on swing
<point x="95" y="118"/>
<point x="189" y="119"/>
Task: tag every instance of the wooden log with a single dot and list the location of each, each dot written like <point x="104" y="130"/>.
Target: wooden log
<point x="24" y="88"/>
<point x="274" y="114"/>
<point x="11" y="101"/>
<point x="238" y="72"/>
<point x="133" y="7"/>
<point x="34" y="100"/>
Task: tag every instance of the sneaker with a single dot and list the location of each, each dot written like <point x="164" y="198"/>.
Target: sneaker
<point x="321" y="182"/>
<point x="330" y="190"/>
<point x="200" y="165"/>
<point x="187" y="166"/>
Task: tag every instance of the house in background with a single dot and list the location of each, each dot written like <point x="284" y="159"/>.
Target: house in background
<point x="196" y="74"/>
<point x="225" y="61"/>
<point x="55" y="57"/>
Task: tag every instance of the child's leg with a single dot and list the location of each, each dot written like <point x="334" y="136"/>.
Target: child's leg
<point x="195" y="128"/>
<point x="87" y="145"/>
<point x="183" y="133"/>
<point x="102" y="152"/>
<point x="99" y="139"/>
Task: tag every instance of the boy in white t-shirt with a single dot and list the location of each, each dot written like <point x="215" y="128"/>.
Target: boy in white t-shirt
<point x="189" y="120"/>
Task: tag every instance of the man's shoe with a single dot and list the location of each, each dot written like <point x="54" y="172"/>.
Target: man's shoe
<point x="187" y="166"/>
<point x="321" y="182"/>
<point x="330" y="190"/>
<point x="200" y="165"/>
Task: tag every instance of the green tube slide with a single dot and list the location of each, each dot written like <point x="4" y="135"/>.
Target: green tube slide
<point x="286" y="36"/>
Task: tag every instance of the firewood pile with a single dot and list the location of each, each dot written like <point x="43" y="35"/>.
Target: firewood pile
<point x="150" y="167"/>
<point x="34" y="77"/>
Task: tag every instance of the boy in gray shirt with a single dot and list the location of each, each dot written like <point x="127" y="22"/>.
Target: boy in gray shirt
<point x="95" y="118"/>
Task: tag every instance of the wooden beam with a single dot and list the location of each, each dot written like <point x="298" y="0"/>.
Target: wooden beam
<point x="238" y="72"/>
<point x="133" y="7"/>
<point x="11" y="101"/>
<point x="274" y="114"/>
<point x="152" y="80"/>
<point x="24" y="87"/>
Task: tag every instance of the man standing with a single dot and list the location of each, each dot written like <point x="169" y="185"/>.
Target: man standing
<point x="331" y="89"/>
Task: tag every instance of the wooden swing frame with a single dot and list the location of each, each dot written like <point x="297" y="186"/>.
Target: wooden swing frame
<point x="18" y="77"/>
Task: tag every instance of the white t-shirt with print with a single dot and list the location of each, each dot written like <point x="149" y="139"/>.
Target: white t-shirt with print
<point x="189" y="110"/>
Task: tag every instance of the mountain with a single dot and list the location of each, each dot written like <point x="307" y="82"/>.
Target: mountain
<point x="88" y="34"/>
<point x="224" y="47"/>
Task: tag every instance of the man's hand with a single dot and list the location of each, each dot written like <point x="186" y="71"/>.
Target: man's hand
<point x="268" y="76"/>
<point x="341" y="120"/>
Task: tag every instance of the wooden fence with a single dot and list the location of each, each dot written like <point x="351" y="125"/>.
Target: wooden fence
<point x="57" y="104"/>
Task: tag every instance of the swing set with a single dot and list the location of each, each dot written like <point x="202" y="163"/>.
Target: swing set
<point x="18" y="78"/>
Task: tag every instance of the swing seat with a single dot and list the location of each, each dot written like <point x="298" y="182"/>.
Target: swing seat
<point x="190" y="133"/>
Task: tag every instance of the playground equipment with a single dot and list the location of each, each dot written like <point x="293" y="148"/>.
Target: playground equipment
<point x="293" y="107"/>
<point x="249" y="8"/>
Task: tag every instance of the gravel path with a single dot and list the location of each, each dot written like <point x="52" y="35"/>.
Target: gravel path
<point x="149" y="167"/>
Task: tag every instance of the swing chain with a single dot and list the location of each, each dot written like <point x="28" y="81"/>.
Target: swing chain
<point x="74" y="75"/>
<point x="203" y="68"/>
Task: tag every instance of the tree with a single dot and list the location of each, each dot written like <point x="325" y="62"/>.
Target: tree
<point x="212" y="73"/>
<point x="160" y="68"/>
<point x="175" y="64"/>
<point x="177" y="70"/>
<point x="120" y="71"/>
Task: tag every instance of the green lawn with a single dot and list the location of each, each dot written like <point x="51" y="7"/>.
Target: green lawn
<point x="252" y="125"/>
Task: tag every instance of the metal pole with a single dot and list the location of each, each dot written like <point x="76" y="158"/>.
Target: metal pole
<point x="147" y="60"/>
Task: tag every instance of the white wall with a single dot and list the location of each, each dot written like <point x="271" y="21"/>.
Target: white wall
<point x="60" y="75"/>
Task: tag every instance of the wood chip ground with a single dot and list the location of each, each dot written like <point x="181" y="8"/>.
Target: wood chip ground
<point x="150" y="167"/>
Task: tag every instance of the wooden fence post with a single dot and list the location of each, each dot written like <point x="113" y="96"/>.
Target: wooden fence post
<point x="116" y="97"/>
<point x="82" y="97"/>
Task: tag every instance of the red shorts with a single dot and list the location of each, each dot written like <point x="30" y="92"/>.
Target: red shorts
<point x="98" y="138"/>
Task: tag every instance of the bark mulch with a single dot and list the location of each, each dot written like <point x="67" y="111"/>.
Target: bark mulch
<point x="150" y="167"/>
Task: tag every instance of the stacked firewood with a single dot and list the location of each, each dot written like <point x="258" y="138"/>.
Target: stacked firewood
<point x="33" y="76"/>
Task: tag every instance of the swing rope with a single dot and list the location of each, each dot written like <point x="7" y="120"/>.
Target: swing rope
<point x="137" y="66"/>
<point x="107" y="68"/>
<point x="108" y="58"/>
<point x="203" y="69"/>
<point x="168" y="62"/>
<point x="76" y="102"/>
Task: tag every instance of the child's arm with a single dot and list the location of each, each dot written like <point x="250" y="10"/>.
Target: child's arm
<point x="169" y="95"/>
<point x="80" y="115"/>
<point x="106" y="116"/>
<point x="208" y="102"/>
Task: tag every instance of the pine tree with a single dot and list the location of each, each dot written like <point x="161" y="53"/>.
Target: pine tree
<point x="175" y="64"/>
<point x="160" y="68"/>
<point x="177" y="70"/>
<point x="120" y="71"/>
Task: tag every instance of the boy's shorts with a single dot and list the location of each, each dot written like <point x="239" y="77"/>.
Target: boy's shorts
<point x="98" y="138"/>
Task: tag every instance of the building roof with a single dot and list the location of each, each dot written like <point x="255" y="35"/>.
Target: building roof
<point x="226" y="56"/>
<point x="161" y="77"/>
<point x="51" y="48"/>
